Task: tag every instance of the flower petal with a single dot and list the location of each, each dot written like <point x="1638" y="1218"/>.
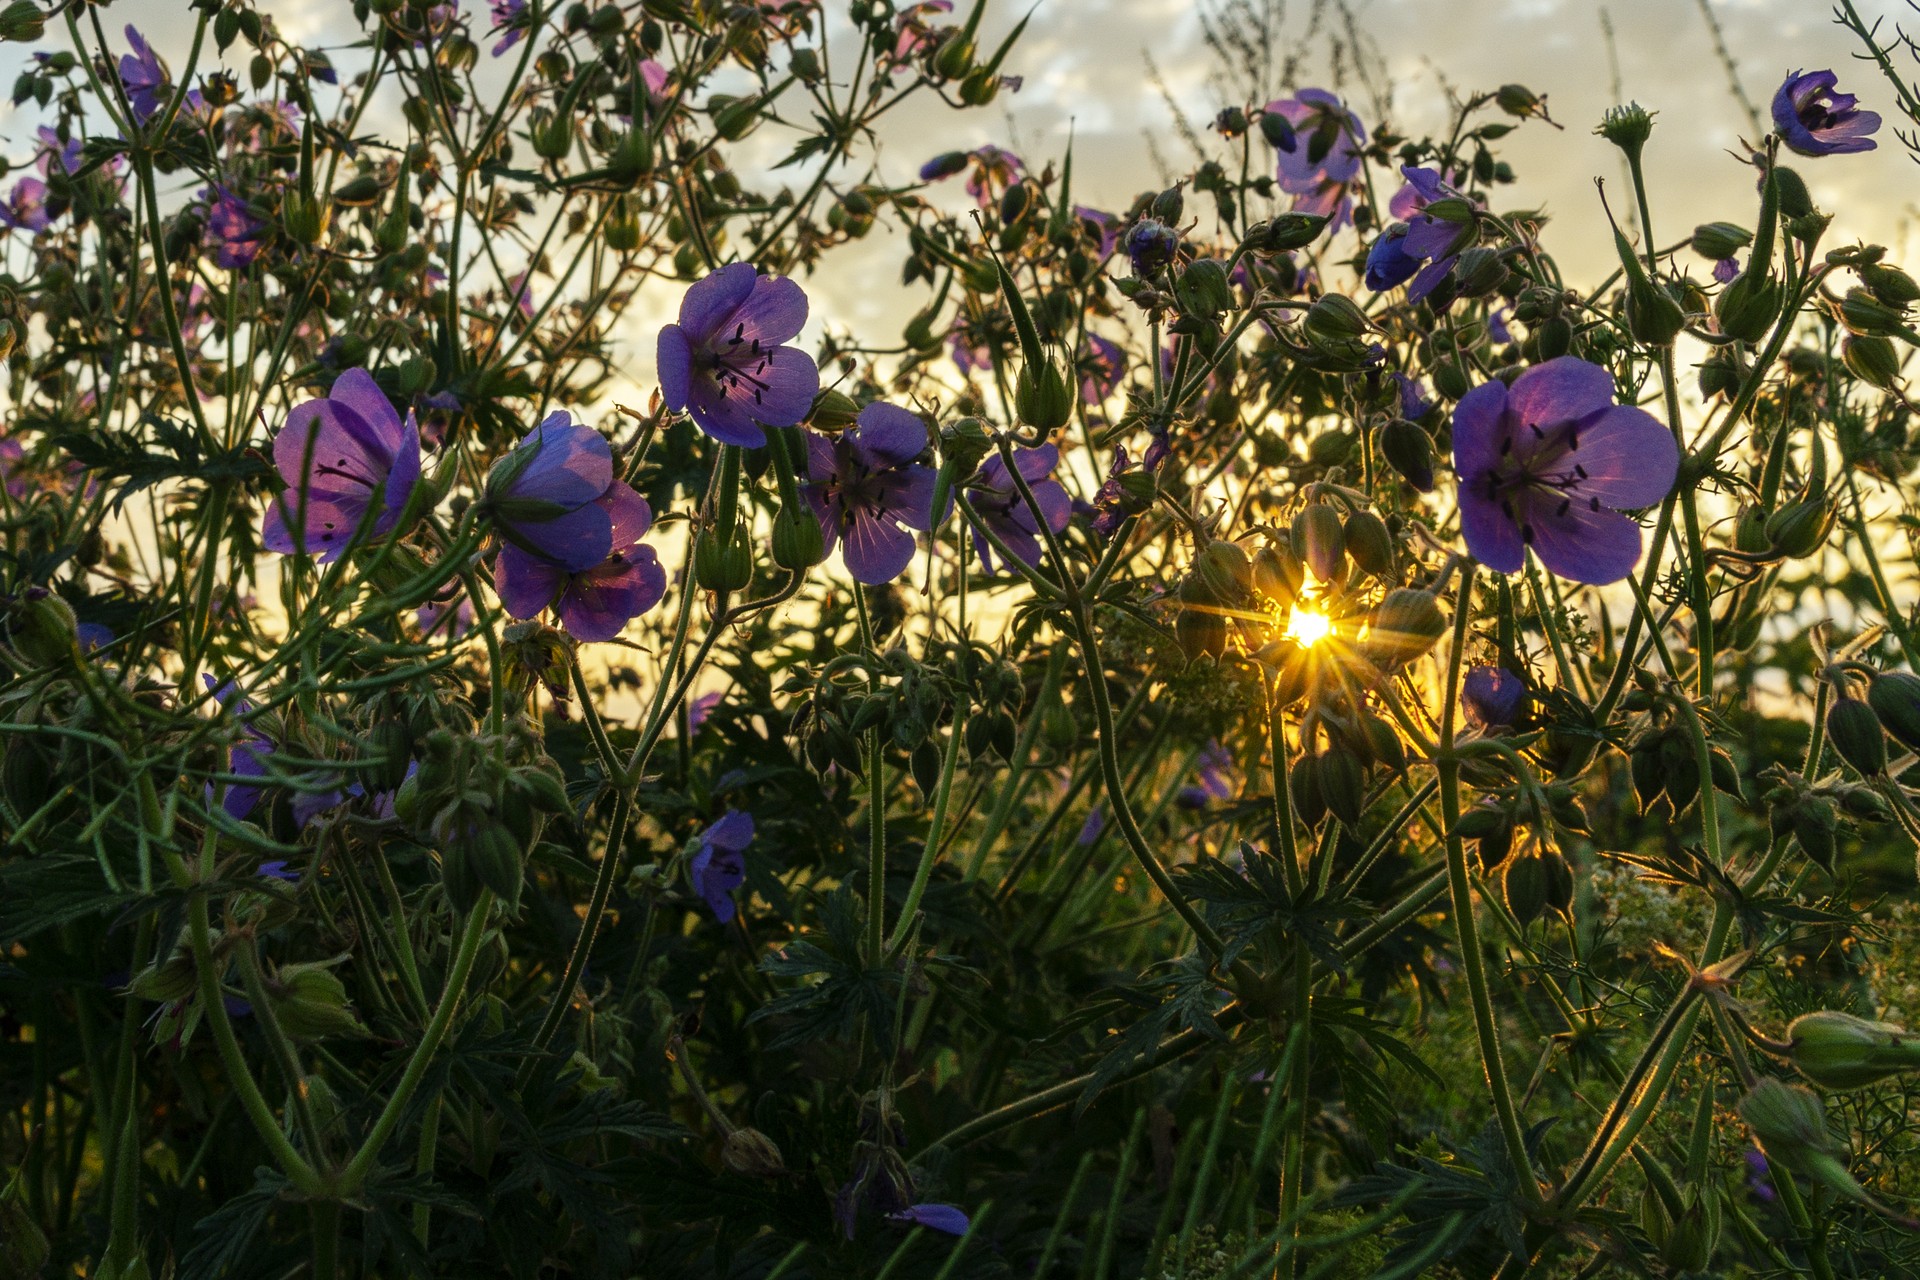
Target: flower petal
<point x="525" y="583"/>
<point x="710" y="303"/>
<point x="1480" y="429"/>
<point x="629" y="513"/>
<point x="774" y="313"/>
<point x="1563" y="389"/>
<point x="877" y="551"/>
<point x="575" y="541"/>
<point x="1490" y="533"/>
<point x="1581" y="544"/>
<point x="572" y="464"/>
<point x="1629" y="455"/>
<point x="674" y="357"/>
<point x="885" y="436"/>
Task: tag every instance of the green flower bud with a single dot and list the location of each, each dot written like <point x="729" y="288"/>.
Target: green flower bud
<point x="1343" y="784"/>
<point x="805" y="65"/>
<point x="1408" y="449"/>
<point x="722" y="561"/>
<point x="1873" y="360"/>
<point x="1800" y="528"/>
<point x="1750" y="530"/>
<point x="1042" y="398"/>
<point x="1223" y="571"/>
<point x="174" y="978"/>
<point x="1277" y="574"/>
<point x="954" y="58"/>
<point x="41" y="627"/>
<point x="752" y="1154"/>
<point x="24" y="21"/>
<point x="1285" y="233"/>
<point x="1200" y="633"/>
<point x="1303" y="788"/>
<point x="1890" y="285"/>
<point x="833" y="410"/>
<point x="1480" y="273"/>
<point x="1335" y="318"/>
<point x="1895" y="698"/>
<point x="1450" y="379"/>
<point x="1717" y="240"/>
<point x="1720" y="373"/>
<point x="1525" y="883"/>
<point x="798" y="542"/>
<point x="735" y="118"/>
<point x="1369" y="543"/>
<point x="1519" y="101"/>
<point x="1863" y="313"/>
<point x="1839" y="1051"/>
<point x="310" y="1002"/>
<point x="1855" y="733"/>
<point x="1203" y="289"/>
<point x="1320" y="540"/>
<point x="1794" y="200"/>
<point x="1404" y="626"/>
<point x="1747" y="308"/>
<point x="305" y="219"/>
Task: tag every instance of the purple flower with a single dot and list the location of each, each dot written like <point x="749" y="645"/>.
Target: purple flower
<point x="1090" y="829"/>
<point x="506" y="14"/>
<point x="339" y="456"/>
<point x="238" y="236"/>
<point x="1105" y="227"/>
<point x="1125" y="492"/>
<point x="1547" y="462"/>
<point x="247" y="758"/>
<point x="1725" y="269"/>
<point x="937" y="1217"/>
<point x="1493" y="695"/>
<point x="725" y="363"/>
<point x="1150" y="245"/>
<point x="1422" y="188"/>
<point x="545" y="496"/>
<point x="278" y="870"/>
<point x="1423" y="248"/>
<point x="91" y="636"/>
<point x="1497" y="326"/>
<point x="1213" y="777"/>
<point x="700" y="708"/>
<point x="451" y="618"/>
<point x="55" y="150"/>
<point x="593" y="604"/>
<point x="143" y="77"/>
<point x="994" y="170"/>
<point x="1101" y="368"/>
<point x="1760" y="1176"/>
<point x="972" y="351"/>
<point x="864" y="485"/>
<point x="26" y="208"/>
<point x="1001" y="508"/>
<point x="1414" y="404"/>
<point x="718" y="865"/>
<point x="1816" y="121"/>
<point x="1319" y="149"/>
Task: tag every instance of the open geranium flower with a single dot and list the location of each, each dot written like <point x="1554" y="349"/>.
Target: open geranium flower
<point x="1549" y="463"/>
<point x="864" y="485"/>
<point x="597" y="603"/>
<point x="339" y="455"/>
<point x="725" y="364"/>
<point x="1816" y="121"/>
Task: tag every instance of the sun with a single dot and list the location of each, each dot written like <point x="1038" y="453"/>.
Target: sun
<point x="1307" y="627"/>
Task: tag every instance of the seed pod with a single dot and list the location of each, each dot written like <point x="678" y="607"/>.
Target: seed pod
<point x="1335" y="318"/>
<point x="1747" y="308"/>
<point x="310" y="1002"/>
<point x="1303" y="785"/>
<point x="1201" y="633"/>
<point x="1814" y="822"/>
<point x="1895" y="699"/>
<point x="1042" y="398"/>
<point x="1873" y="360"/>
<point x="1890" y="285"/>
<point x="1222" y="571"/>
<point x="1203" y="289"/>
<point x="1839" y="1051"/>
<point x="1497" y="844"/>
<point x="722" y="562"/>
<point x="1801" y="527"/>
<point x="1343" y="784"/>
<point x="752" y="1154"/>
<point x="1369" y="543"/>
<point x="1450" y="379"/>
<point x="1717" y="240"/>
<point x="1277" y="575"/>
<point x="1649" y="774"/>
<point x="1681" y="769"/>
<point x="798" y="542"/>
<point x="1526" y="887"/>
<point x="1320" y="540"/>
<point x="1559" y="882"/>
<point x="1855" y="732"/>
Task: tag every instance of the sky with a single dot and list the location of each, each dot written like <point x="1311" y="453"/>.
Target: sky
<point x="1086" y="70"/>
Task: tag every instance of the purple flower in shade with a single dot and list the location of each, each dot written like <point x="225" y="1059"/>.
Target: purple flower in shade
<point x="1005" y="513"/>
<point x="1414" y="404"/>
<point x="92" y="636"/>
<point x="935" y="1217"/>
<point x="237" y="235"/>
<point x="1422" y="249"/>
<point x="994" y="170"/>
<point x="1816" y="121"/>
<point x="545" y="496"/>
<point x="1497" y="326"/>
<point x="1213" y="777"/>
<point x="700" y="708"/>
<point x="247" y="758"/>
<point x="506" y="14"/>
<point x="1493" y="696"/>
<point x="719" y="866"/>
<point x="278" y="870"/>
<point x="971" y="351"/>
<point x="310" y="804"/>
<point x="55" y="150"/>
<point x="1105" y="226"/>
<point x="593" y="604"/>
<point x="341" y="455"/>
<point x="1090" y="829"/>
<point x="1760" y="1176"/>
<point x="1319" y="153"/>
<point x="725" y="363"/>
<point x="864" y="485"/>
<point x="26" y="208"/>
<point x="449" y="619"/>
<point x="1151" y="244"/>
<point x="144" y="79"/>
<point x="1548" y="462"/>
<point x="1101" y="368"/>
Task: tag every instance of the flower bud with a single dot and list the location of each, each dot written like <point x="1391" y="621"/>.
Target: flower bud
<point x="1277" y="574"/>
<point x="1320" y="540"/>
<point x="1202" y="288"/>
<point x="1169" y="205"/>
<point x="305" y="218"/>
<point x="1150" y="246"/>
<point x="1222" y="571"/>
<point x="1449" y="379"/>
<point x="1404" y="625"/>
<point x="1334" y="317"/>
<point x="310" y="1002"/>
<point x="23" y="20"/>
<point x="805" y="65"/>
<point x="1627" y="128"/>
<point x="1863" y="313"/>
<point x="1343" y="784"/>
<point x="1839" y="1051"/>
<point x="1794" y="200"/>
<point x="1408" y="449"/>
<point x="1890" y="285"/>
<point x="1717" y="240"/>
<point x="1200" y="633"/>
<point x="1855" y="733"/>
<point x="1873" y="360"/>
<point x="752" y="1154"/>
<point x="954" y="58"/>
<point x="944" y="165"/>
<point x="798" y="542"/>
<point x="980" y="87"/>
<point x="174" y="978"/>
<point x="1369" y="543"/>
<point x="1519" y="101"/>
<point x="1800" y="528"/>
<point x="722" y="561"/>
<point x="735" y="118"/>
<point x="1720" y="373"/>
<point x="1790" y="1124"/>
<point x="1525" y="883"/>
<point x="1285" y="233"/>
<point x="1895" y="699"/>
<point x="1747" y="308"/>
<point x="41" y="627"/>
<point x="1042" y="398"/>
<point x="1480" y="272"/>
<point x="1558" y="881"/>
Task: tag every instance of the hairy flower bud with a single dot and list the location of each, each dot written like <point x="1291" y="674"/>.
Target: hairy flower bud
<point x="1284" y="233"/>
<point x="1747" y="308"/>
<point x="1895" y="699"/>
<point x="798" y="542"/>
<point x="722" y="561"/>
<point x="1320" y="540"/>
<point x="752" y="1154"/>
<point x="1800" y="528"/>
<point x="1839" y="1051"/>
<point x="1717" y="240"/>
<point x="1525" y="883"/>
<point x="1150" y="246"/>
<point x="1408" y="449"/>
<point x="1202" y="288"/>
<point x="1404" y="625"/>
<point x="1042" y="398"/>
<point x="310" y="1002"/>
<point x="1855" y="733"/>
<point x="1369" y="543"/>
<point x="1890" y="285"/>
<point x="1873" y="360"/>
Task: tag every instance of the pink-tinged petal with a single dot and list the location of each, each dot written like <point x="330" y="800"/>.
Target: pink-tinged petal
<point x="710" y="303"/>
<point x="629" y="512"/>
<point x="908" y="496"/>
<point x="330" y="524"/>
<point x="674" y="357"/>
<point x="1036" y="464"/>
<point x="1629" y="455"/>
<point x="1480" y="429"/>
<point x="598" y="604"/>
<point x="823" y="460"/>
<point x="774" y="313"/>
<point x="722" y="417"/>
<point x="334" y="445"/>
<point x="1560" y="390"/>
<point x="357" y="390"/>
<point x="525" y="583"/>
<point x="572" y="465"/>
<point x="1579" y="543"/>
<point x="576" y="540"/>
<point x="792" y="381"/>
<point x="877" y="551"/>
<point x="403" y="477"/>
<point x="1491" y="534"/>
<point x="887" y="436"/>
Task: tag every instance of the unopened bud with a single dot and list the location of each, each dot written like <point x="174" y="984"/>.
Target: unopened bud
<point x="1895" y="698"/>
<point x="1839" y="1051"/>
<point x="1873" y="360"/>
<point x="1404" y="625"/>
<point x="1855" y="733"/>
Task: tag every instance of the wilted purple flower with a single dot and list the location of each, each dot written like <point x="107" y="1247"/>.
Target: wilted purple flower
<point x="1545" y="464"/>
<point x="247" y="758"/>
<point x="339" y="455"/>
<point x="1101" y="368"/>
<point x="1725" y="269"/>
<point x="994" y="170"/>
<point x="593" y="604"/>
<point x="937" y="1217"/>
<point x="544" y="497"/>
<point x="1816" y="121"/>
<point x="997" y="499"/>
<point x="1125" y="492"/>
<point x="505" y="17"/>
<point x="1151" y="245"/>
<point x="26" y="208"/>
<point x="864" y="485"/>
<point x="237" y="235"/>
<point x="1319" y="149"/>
<point x="725" y="363"/>
<point x="143" y="77"/>
<point x="1493" y="695"/>
<point x="719" y="866"/>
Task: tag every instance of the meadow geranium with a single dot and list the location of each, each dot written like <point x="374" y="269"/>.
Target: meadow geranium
<point x="1424" y="246"/>
<point x="142" y="76"/>
<point x="719" y="866"/>
<point x="996" y="499"/>
<point x="1815" y="120"/>
<point x="506" y="18"/>
<point x="1102" y="365"/>
<point x="1549" y="462"/>
<point x="545" y="496"/>
<point x="725" y="364"/>
<point x="348" y="460"/>
<point x="593" y="604"/>
<point x="1493" y="695"/>
<point x="867" y="490"/>
<point x="237" y="236"/>
<point x="1318" y="143"/>
<point x="26" y="208"/>
<point x="246" y="759"/>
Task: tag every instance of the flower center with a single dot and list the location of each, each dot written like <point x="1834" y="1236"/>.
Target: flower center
<point x="739" y="365"/>
<point x="1541" y="470"/>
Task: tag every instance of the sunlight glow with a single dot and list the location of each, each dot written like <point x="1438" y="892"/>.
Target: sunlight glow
<point x="1307" y="627"/>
